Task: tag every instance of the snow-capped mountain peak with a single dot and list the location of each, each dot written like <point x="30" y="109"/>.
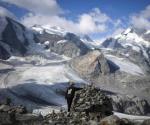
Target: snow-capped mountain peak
<point x="128" y="30"/>
<point x="49" y="29"/>
<point x="129" y="45"/>
<point x="130" y="37"/>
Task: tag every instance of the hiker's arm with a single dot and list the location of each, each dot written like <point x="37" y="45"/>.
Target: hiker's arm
<point x="77" y="89"/>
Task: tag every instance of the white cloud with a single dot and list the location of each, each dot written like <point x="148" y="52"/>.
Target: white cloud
<point x="47" y="12"/>
<point x="5" y="12"/>
<point x="87" y="23"/>
<point x="141" y="20"/>
<point x="46" y="7"/>
<point x="31" y="19"/>
<point x="98" y="16"/>
<point x="95" y="21"/>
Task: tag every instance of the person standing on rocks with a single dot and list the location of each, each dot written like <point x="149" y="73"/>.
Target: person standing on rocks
<point x="70" y="93"/>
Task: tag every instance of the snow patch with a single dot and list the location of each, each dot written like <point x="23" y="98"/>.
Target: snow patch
<point x="131" y="117"/>
<point x="62" y="41"/>
<point x="46" y="42"/>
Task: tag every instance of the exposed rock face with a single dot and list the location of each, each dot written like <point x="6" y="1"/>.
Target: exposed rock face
<point x="3" y="53"/>
<point x="93" y="64"/>
<point x="9" y="37"/>
<point x="130" y="105"/>
<point x="13" y="38"/>
<point x="92" y="101"/>
<point x="69" y="45"/>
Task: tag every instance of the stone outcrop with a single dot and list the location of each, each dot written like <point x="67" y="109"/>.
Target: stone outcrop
<point x="92" y="64"/>
<point x="130" y="104"/>
<point x="92" y="101"/>
<point x="9" y="37"/>
<point x="3" y="53"/>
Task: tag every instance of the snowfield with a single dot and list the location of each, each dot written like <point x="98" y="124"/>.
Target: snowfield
<point x="37" y="86"/>
<point x="125" y="65"/>
<point x="49" y="29"/>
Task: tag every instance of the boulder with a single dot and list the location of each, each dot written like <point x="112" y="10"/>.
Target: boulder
<point x="92" y="101"/>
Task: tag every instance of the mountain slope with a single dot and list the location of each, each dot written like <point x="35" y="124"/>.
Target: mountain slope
<point x="130" y="46"/>
<point x="60" y="41"/>
<point x="12" y="37"/>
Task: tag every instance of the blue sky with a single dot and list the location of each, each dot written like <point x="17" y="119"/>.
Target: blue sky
<point x="97" y="18"/>
<point x="114" y="8"/>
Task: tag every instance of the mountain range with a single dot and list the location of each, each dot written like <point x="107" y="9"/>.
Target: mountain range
<point x="38" y="62"/>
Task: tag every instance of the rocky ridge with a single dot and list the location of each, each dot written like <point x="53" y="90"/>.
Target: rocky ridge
<point x="95" y="112"/>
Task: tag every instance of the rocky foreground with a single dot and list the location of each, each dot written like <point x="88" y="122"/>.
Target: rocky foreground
<point x="89" y="107"/>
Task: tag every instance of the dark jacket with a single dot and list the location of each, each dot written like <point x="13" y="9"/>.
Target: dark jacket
<point x="71" y="91"/>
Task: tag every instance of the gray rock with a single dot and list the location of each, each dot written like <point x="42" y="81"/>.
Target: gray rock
<point x="93" y="102"/>
<point x="72" y="46"/>
<point x="3" y="53"/>
<point x="146" y="122"/>
<point x="93" y="64"/>
<point x="130" y="104"/>
<point x="10" y="38"/>
<point x="110" y="120"/>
